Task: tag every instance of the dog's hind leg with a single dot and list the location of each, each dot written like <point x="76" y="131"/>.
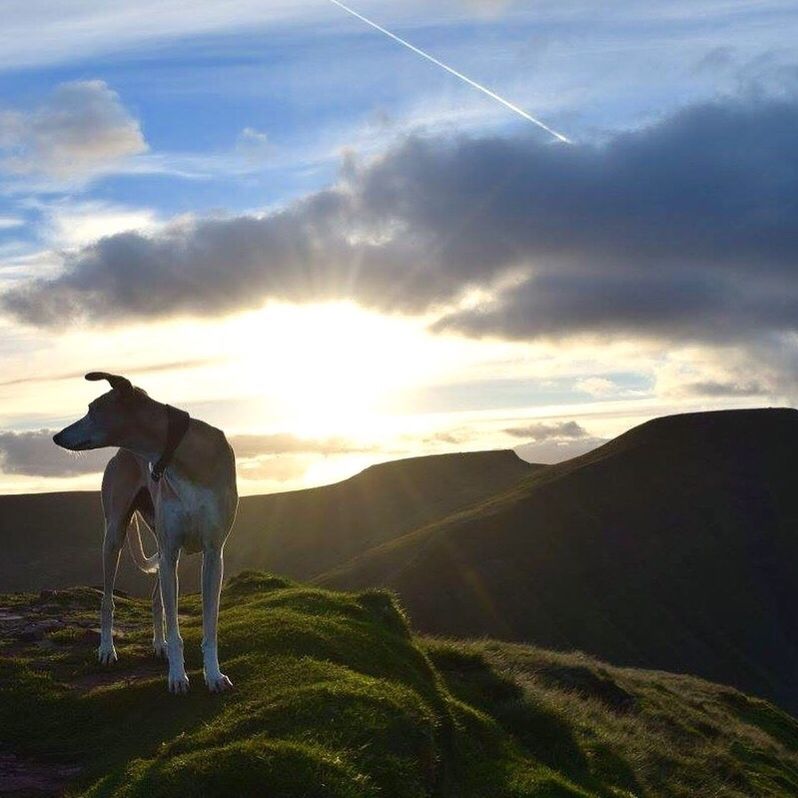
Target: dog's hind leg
<point x="212" y="569"/>
<point x="148" y="565"/>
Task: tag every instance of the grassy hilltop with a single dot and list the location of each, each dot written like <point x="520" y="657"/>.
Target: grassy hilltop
<point x="335" y="697"/>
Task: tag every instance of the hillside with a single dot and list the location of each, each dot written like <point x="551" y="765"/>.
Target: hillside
<point x="336" y="699"/>
<point x="674" y="546"/>
<point x="53" y="540"/>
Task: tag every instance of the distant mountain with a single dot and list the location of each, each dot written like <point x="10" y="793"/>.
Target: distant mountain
<point x="674" y="546"/>
<point x="50" y="540"/>
<point x="304" y="533"/>
<point x="54" y="540"/>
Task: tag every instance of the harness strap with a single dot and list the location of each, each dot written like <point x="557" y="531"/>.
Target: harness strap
<point x="177" y="422"/>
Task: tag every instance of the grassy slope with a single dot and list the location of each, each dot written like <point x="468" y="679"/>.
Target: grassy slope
<point x="671" y="547"/>
<point x="336" y="698"/>
<point x="305" y="533"/>
<point x="54" y="540"/>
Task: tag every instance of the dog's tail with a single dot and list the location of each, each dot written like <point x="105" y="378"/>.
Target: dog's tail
<point x="149" y="565"/>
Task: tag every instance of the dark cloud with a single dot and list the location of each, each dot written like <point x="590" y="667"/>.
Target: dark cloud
<point x="34" y="454"/>
<point x="683" y="229"/>
<point x="720" y="389"/>
<point x="542" y="431"/>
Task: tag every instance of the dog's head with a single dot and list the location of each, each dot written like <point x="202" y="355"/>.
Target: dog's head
<point x="109" y="419"/>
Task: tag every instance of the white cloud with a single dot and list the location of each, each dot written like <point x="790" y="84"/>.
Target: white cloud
<point x="550" y="452"/>
<point x="37" y="32"/>
<point x="77" y="224"/>
<point x="596" y="386"/>
<point x="254" y="145"/>
<point x="81" y="130"/>
<point x="10" y="222"/>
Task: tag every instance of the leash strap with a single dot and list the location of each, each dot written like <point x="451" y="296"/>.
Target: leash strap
<point x="177" y="422"/>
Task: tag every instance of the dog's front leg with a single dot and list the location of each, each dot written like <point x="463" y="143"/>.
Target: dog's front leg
<point x="167" y="574"/>
<point x="112" y="545"/>
<point x="212" y="568"/>
<point x="158" y="639"/>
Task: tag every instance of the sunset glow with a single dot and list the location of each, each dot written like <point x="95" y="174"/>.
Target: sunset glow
<point x="341" y="252"/>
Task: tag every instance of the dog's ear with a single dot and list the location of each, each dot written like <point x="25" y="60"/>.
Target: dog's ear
<point x="121" y="384"/>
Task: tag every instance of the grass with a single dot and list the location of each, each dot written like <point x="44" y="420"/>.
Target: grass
<point x="335" y="697"/>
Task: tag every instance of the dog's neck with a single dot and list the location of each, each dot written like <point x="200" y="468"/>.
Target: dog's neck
<point x="197" y="458"/>
<point x="149" y="436"/>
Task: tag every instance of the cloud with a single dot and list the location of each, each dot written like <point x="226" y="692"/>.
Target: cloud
<point x="557" y="451"/>
<point x="681" y="230"/>
<point x="764" y="371"/>
<point x="35" y="454"/>
<point x="553" y="442"/>
<point x="714" y="389"/>
<point x="281" y="457"/>
<point x="275" y="469"/>
<point x="254" y="146"/>
<point x="597" y="386"/>
<point x="81" y="130"/>
<point x="542" y="431"/>
<point x="75" y="224"/>
<point x="255" y="446"/>
<point x="147" y="368"/>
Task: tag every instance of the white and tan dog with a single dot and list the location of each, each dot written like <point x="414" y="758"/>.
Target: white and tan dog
<point x="179" y="475"/>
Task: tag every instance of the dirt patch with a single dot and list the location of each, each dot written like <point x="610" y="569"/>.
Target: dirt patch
<point x="23" y="778"/>
<point x="115" y="675"/>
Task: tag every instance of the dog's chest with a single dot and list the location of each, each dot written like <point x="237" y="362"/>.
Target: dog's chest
<point x="192" y="518"/>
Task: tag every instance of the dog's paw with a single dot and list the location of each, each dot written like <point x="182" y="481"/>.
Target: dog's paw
<point x="106" y="654"/>
<point x="178" y="683"/>
<point x="159" y="650"/>
<point x="218" y="683"/>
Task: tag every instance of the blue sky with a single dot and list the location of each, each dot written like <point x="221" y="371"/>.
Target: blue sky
<point x="184" y="112"/>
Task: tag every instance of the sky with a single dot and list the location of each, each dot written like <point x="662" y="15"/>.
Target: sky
<point x="279" y="219"/>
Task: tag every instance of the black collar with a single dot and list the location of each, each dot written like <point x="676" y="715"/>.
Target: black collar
<point x="177" y="422"/>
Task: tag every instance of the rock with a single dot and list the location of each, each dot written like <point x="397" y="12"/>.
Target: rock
<point x="30" y="634"/>
<point x="34" y="632"/>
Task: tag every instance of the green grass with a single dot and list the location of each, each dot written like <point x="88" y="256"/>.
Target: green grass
<point x="335" y="697"/>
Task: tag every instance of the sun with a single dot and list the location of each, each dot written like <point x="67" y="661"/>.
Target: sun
<point x="329" y="367"/>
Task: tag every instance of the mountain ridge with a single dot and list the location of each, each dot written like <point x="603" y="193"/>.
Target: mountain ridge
<point x="671" y="546"/>
<point x="54" y="540"/>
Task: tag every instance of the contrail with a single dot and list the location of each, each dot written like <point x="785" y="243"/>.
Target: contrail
<point x="506" y="103"/>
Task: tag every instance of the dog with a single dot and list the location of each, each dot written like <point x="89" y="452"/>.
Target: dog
<point x="179" y="475"/>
